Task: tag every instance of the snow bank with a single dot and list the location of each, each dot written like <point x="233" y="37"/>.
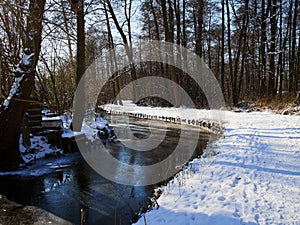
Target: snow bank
<point x="90" y="127"/>
<point x="39" y="149"/>
<point x="211" y="119"/>
<point x="254" y="178"/>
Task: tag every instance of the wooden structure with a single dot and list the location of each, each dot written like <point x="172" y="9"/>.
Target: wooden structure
<point x="34" y="113"/>
<point x="35" y="124"/>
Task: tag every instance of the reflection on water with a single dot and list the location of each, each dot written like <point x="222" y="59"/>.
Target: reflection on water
<point x="68" y="185"/>
<point x="66" y="191"/>
<point x="53" y="182"/>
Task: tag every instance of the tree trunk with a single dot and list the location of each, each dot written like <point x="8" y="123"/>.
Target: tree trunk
<point x="298" y="67"/>
<point x="262" y="53"/>
<point x="223" y="49"/>
<point x="273" y="22"/>
<point x="240" y="49"/>
<point x="128" y="47"/>
<point x="184" y="35"/>
<point x="80" y="68"/>
<point x="67" y="32"/>
<point x="292" y="72"/>
<point x="165" y="20"/>
<point x="13" y="109"/>
<point x="178" y="24"/>
<point x="199" y="33"/>
<point x="53" y="82"/>
<point x="155" y="21"/>
<point x="280" y="59"/>
<point x="230" y="93"/>
<point x="80" y="45"/>
<point x="112" y="56"/>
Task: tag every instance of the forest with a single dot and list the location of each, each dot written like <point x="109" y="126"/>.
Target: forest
<point x="252" y="47"/>
<point x="124" y="111"/>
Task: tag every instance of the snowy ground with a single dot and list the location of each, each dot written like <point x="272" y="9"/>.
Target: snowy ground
<point x="39" y="148"/>
<point x="254" y="178"/>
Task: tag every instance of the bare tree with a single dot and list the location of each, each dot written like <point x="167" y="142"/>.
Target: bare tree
<point x="13" y="109"/>
<point x="127" y="39"/>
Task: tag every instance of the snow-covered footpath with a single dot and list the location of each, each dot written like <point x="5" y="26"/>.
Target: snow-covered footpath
<point x="254" y="178"/>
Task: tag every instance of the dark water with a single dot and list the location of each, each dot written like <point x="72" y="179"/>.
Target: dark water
<point x="66" y="185"/>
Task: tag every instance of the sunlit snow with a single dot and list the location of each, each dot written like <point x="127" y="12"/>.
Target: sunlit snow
<point x="253" y="179"/>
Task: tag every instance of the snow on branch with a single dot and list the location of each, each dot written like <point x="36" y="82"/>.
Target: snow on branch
<point x="22" y="69"/>
<point x="13" y="91"/>
<point x="25" y="63"/>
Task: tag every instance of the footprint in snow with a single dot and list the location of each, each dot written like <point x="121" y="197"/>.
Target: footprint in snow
<point x="203" y="197"/>
<point x="236" y="213"/>
<point x="235" y="181"/>
<point x="221" y="198"/>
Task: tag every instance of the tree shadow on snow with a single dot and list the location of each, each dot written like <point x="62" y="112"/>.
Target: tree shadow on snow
<point x="176" y="218"/>
<point x="259" y="168"/>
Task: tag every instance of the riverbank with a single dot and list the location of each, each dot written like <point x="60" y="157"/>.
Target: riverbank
<point x="13" y="213"/>
<point x="253" y="179"/>
<point x="66" y="184"/>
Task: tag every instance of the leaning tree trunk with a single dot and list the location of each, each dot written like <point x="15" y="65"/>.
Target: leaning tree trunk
<point x="13" y="109"/>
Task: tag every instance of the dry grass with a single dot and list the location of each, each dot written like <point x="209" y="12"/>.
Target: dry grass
<point x="283" y="105"/>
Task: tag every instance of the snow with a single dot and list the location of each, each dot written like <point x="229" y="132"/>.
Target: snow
<point x="89" y="131"/>
<point x="253" y="179"/>
<point x="13" y="91"/>
<point x="90" y="128"/>
<point x="45" y="166"/>
<point x="99" y="123"/>
<point x="39" y="148"/>
<point x="27" y="59"/>
<point x="66" y="120"/>
<point x="68" y="133"/>
<point x="184" y="113"/>
<point x="54" y="118"/>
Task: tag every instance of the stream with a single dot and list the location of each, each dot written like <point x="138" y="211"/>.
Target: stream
<point x="69" y="188"/>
